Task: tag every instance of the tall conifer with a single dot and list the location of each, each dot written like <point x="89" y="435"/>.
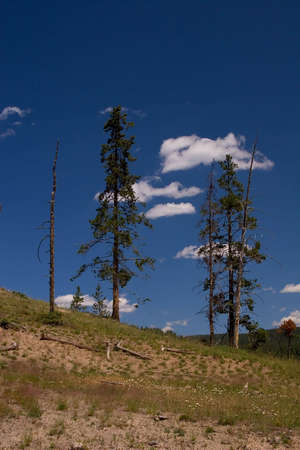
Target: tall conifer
<point x="117" y="214"/>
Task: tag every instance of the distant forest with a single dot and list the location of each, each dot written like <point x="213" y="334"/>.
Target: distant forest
<point x="276" y="343"/>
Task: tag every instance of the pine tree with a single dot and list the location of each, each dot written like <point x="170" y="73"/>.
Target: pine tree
<point x="209" y="251"/>
<point x="238" y="250"/>
<point x="78" y="299"/>
<point x="231" y="207"/>
<point x="99" y="307"/>
<point x="117" y="214"/>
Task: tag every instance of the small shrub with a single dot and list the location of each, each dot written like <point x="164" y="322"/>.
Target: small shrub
<point x="55" y="318"/>
<point x="62" y="406"/>
<point x="27" y="440"/>
<point x="226" y="420"/>
<point x="34" y="410"/>
<point x="179" y="432"/>
<point x="186" y="418"/>
<point x="20" y="294"/>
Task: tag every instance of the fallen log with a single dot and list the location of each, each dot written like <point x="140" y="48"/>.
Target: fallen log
<point x="112" y="382"/>
<point x="130" y="352"/>
<point x="11" y="325"/>
<point x="13" y="346"/>
<point x="175" y="350"/>
<point x="62" y="341"/>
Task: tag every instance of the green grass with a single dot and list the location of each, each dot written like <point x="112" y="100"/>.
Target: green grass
<point x="206" y="384"/>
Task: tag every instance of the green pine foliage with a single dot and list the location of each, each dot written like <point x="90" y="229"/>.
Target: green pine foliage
<point x="117" y="218"/>
<point x="77" y="301"/>
<point x="99" y="307"/>
<point x="226" y="214"/>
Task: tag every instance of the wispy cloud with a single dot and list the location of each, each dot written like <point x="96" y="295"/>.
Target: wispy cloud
<point x="294" y="316"/>
<point x="136" y="112"/>
<point x="7" y="133"/>
<point x="269" y="289"/>
<point x="65" y="301"/>
<point x="12" y="110"/>
<point x="170" y="209"/>
<point x="106" y="110"/>
<point x="170" y="325"/>
<point x="145" y="191"/>
<point x="192" y="251"/>
<point x="186" y="152"/>
<point x="291" y="289"/>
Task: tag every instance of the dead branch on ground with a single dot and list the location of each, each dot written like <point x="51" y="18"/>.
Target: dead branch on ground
<point x="62" y="341"/>
<point x="11" y="325"/>
<point x="108" y="348"/>
<point x="175" y="350"/>
<point x="130" y="352"/>
<point x="13" y="346"/>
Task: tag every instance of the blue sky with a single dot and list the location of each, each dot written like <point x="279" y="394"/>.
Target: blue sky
<point x="186" y="72"/>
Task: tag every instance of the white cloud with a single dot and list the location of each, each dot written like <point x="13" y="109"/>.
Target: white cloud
<point x="125" y="306"/>
<point x="64" y="301"/>
<point x="186" y="152"/>
<point x="145" y="191"/>
<point x="106" y="110"/>
<point x="189" y="252"/>
<point x="8" y="132"/>
<point x="290" y="289"/>
<point x="170" y="209"/>
<point x="295" y="316"/>
<point x="11" y="110"/>
<point x="283" y="309"/>
<point x="169" y="325"/>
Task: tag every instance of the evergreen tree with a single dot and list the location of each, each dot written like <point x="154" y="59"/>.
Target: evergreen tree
<point x="77" y="301"/>
<point x="238" y="251"/>
<point x="99" y="307"/>
<point x="209" y="251"/>
<point x="117" y="214"/>
<point x="231" y="207"/>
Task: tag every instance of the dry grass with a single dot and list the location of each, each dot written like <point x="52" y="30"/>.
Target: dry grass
<point x="62" y="389"/>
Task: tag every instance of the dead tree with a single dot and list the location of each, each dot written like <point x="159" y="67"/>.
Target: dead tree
<point x="49" y="226"/>
<point x="52" y="222"/>
<point x="242" y="254"/>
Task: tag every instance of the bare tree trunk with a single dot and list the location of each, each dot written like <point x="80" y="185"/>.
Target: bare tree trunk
<point x="230" y="286"/>
<point x="115" y="311"/>
<point x="211" y="274"/>
<point x="52" y="219"/>
<point x="241" y="255"/>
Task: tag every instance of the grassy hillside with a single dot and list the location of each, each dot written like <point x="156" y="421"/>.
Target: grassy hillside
<point x="213" y="397"/>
